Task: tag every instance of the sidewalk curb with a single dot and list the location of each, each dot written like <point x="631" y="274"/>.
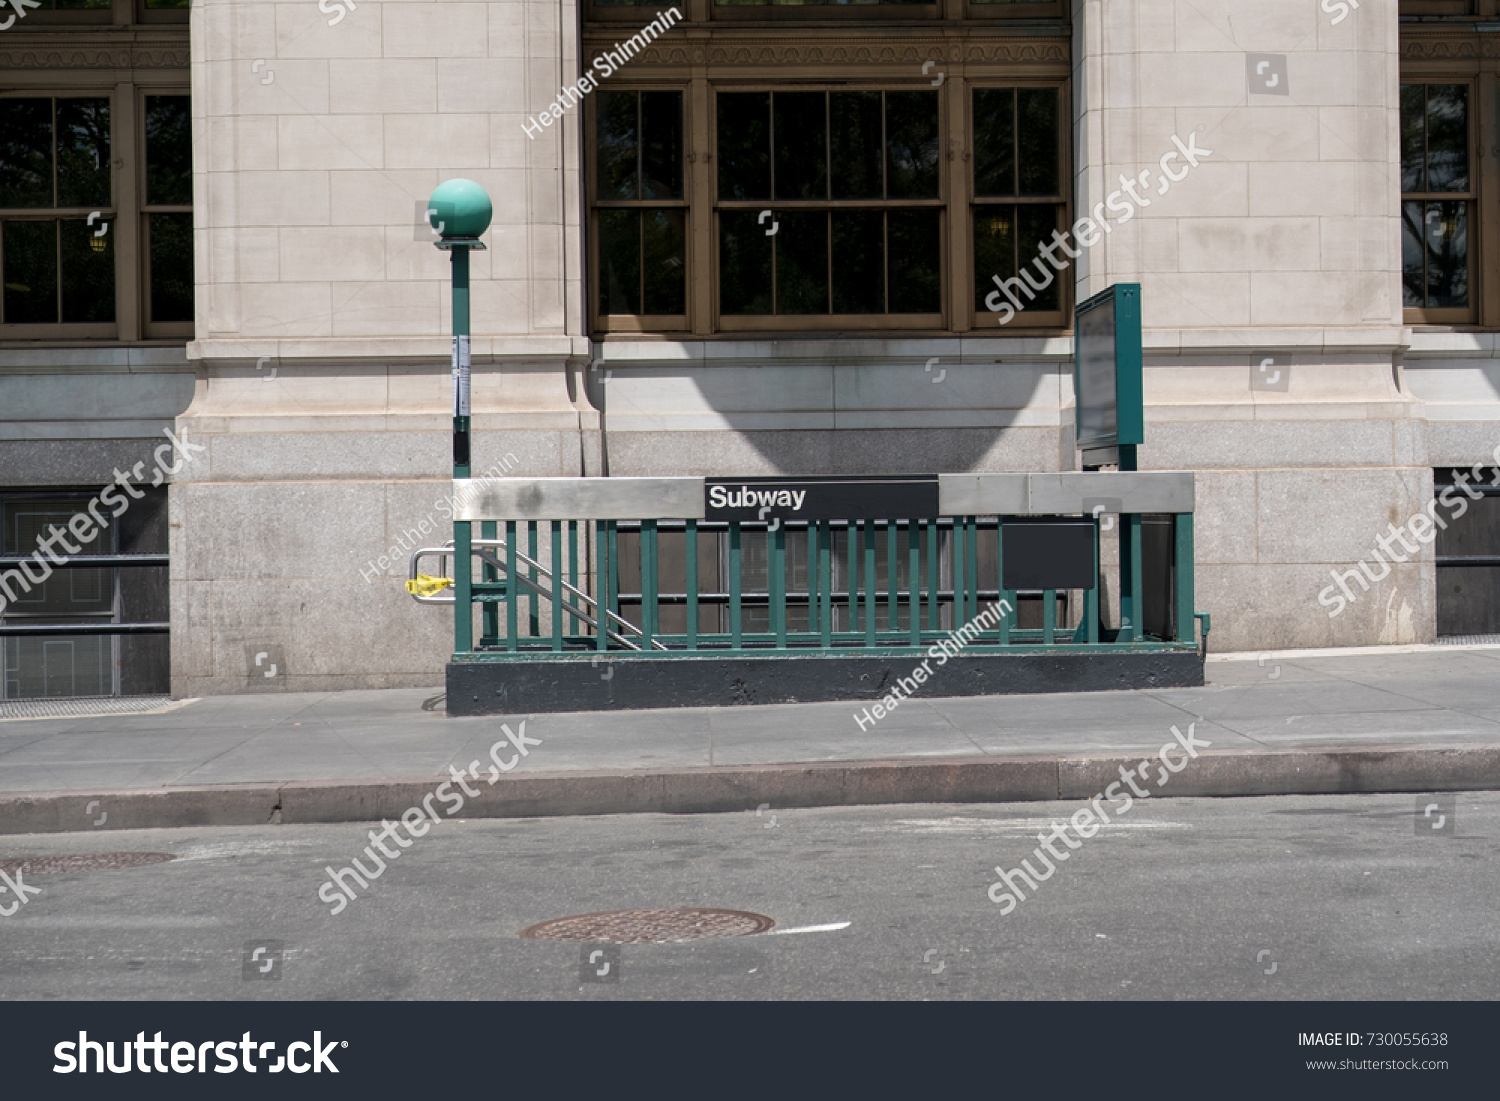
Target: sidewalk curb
<point x="1341" y="770"/>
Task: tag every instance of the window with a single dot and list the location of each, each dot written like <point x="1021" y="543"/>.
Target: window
<point x="73" y="263"/>
<point x="56" y="210"/>
<point x="829" y="205"/>
<point x="1018" y="201"/>
<point x="1437" y="202"/>
<point x="641" y="216"/>
<point x="169" y="216"/>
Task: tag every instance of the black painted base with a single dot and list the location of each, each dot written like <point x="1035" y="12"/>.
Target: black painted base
<point x="620" y="683"/>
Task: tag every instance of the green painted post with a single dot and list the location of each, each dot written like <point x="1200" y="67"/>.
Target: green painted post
<point x="734" y="584"/>
<point x="892" y="574"/>
<point x="960" y="603"/>
<point x="690" y="536"/>
<point x="934" y="577"/>
<point x="649" y="581"/>
<point x="777" y="590"/>
<point x="1182" y="574"/>
<point x="557" y="589"/>
<point x="914" y="582"/>
<point x="460" y="212"/>
<point x="511" y="640"/>
<point x="601" y="586"/>
<point x="868" y="527"/>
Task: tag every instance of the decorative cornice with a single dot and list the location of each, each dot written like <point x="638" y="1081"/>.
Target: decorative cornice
<point x="850" y="50"/>
<point x="100" y="50"/>
<point x="1441" y="45"/>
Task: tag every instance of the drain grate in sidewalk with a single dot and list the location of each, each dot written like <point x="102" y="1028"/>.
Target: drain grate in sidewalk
<point x="92" y="705"/>
<point x="1469" y="640"/>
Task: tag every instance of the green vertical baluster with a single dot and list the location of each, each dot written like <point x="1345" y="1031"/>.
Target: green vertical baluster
<point x="601" y="586"/>
<point x="612" y="594"/>
<point x="812" y="577"/>
<point x="649" y="608"/>
<point x="511" y="557"/>
<point x="490" y="611"/>
<point x="1182" y="575"/>
<point x="777" y="577"/>
<point x="971" y="582"/>
<point x="531" y="551"/>
<point x="573" y="570"/>
<point x="557" y="589"/>
<point x="934" y="577"/>
<point x="463" y="591"/>
<point x="825" y="581"/>
<point x="1133" y="534"/>
<point x="690" y="539"/>
<point x="959" y="604"/>
<point x="734" y="584"/>
<point x="892" y="602"/>
<point x="1049" y="616"/>
<point x="867" y="527"/>
<point x="914" y="582"/>
<point x="1009" y="598"/>
<point x="851" y="537"/>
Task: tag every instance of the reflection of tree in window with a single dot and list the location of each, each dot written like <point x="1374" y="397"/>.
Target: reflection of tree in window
<point x="1436" y="195"/>
<point x="169" y="194"/>
<point x="55" y="158"/>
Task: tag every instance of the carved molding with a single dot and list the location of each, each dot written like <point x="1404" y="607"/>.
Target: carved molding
<point x="63" y="51"/>
<point x="862" y="51"/>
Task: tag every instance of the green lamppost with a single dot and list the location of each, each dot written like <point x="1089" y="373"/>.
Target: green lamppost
<point x="459" y="211"/>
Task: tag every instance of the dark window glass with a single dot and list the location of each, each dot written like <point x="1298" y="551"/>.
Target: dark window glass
<point x="619" y="261"/>
<point x="1413" y="137"/>
<point x="858" y="261"/>
<point x="744" y="145"/>
<point x="30" y="273"/>
<point x="83" y="171"/>
<point x="1036" y="115"/>
<point x="169" y="151"/>
<point x="994" y="249"/>
<point x="744" y="264"/>
<point x="661" y="149"/>
<point x="800" y="145"/>
<point x="25" y="152"/>
<point x="1435" y="161"/>
<point x="855" y="144"/>
<point x="171" y="267"/>
<point x="914" y="251"/>
<point x="1447" y="137"/>
<point x="1036" y="226"/>
<point x="616" y="146"/>
<point x="664" y="265"/>
<point x="994" y="141"/>
<point x="911" y="128"/>
<point x="88" y="273"/>
<point x="802" y="263"/>
<point x="167" y="4"/>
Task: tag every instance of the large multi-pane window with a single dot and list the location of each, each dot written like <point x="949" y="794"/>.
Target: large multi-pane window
<point x="1437" y="201"/>
<point x="805" y="208"/>
<point x="640" y="217"/>
<point x="829" y="204"/>
<point x="96" y="225"/>
<point x="56" y="210"/>
<point x="1018" y="199"/>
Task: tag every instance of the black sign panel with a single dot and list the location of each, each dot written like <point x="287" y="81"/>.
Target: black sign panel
<point x="1047" y="554"/>
<point x="873" y="497"/>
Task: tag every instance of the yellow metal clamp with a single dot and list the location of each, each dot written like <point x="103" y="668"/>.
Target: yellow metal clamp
<point x="424" y="585"/>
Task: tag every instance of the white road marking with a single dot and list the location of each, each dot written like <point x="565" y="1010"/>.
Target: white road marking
<point x="831" y="927"/>
<point x="995" y="825"/>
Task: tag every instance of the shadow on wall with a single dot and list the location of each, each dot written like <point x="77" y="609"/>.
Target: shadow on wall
<point x="809" y="415"/>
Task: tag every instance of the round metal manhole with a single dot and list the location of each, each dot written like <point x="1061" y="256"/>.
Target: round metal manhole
<point x="650" y="926"/>
<point x="80" y="862"/>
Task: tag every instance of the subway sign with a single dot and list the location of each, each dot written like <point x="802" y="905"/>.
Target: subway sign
<point x="871" y="497"/>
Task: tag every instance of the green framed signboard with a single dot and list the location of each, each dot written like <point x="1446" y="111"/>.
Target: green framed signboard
<point x="1107" y="368"/>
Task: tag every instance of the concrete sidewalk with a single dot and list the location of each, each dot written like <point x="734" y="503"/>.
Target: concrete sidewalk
<point x="1403" y="719"/>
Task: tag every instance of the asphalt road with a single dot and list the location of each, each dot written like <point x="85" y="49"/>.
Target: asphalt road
<point x="1340" y="897"/>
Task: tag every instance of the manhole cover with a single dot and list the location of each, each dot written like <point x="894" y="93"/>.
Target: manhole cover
<point x="650" y="926"/>
<point x="80" y="862"/>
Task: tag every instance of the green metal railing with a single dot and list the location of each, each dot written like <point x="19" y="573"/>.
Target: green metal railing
<point x="670" y="587"/>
